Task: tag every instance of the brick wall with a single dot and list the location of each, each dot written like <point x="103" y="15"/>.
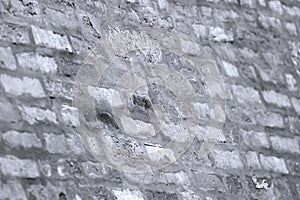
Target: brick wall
<point x="44" y="43"/>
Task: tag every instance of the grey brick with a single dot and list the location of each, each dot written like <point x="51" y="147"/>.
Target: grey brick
<point x="291" y="28"/>
<point x="50" y="39"/>
<point x="291" y="82"/>
<point x="12" y="190"/>
<point x="60" y="89"/>
<point x="248" y="3"/>
<point x="15" y="139"/>
<point x="24" y="86"/>
<point x="56" y="143"/>
<point x="8" y="113"/>
<point x="276" y="98"/>
<point x="227" y="159"/>
<point x="177" y="178"/>
<point x="14" y="166"/>
<point x="220" y="35"/>
<point x="70" y="115"/>
<point x="296" y="104"/>
<point x="255" y="139"/>
<point x="273" y="164"/>
<point x="269" y="119"/>
<point x="36" y="62"/>
<point x="230" y="69"/>
<point x="283" y="144"/>
<point x="14" y="33"/>
<point x="34" y="115"/>
<point x="122" y="194"/>
<point x="252" y="160"/>
<point x="269" y="22"/>
<point x="276" y="6"/>
<point x="208" y="182"/>
<point x="246" y="95"/>
<point x="200" y="30"/>
<point x="96" y="169"/>
<point x="7" y="60"/>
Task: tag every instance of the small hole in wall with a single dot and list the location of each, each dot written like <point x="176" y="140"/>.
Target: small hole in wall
<point x="62" y="196"/>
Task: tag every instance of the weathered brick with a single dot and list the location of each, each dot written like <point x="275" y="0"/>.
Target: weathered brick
<point x="200" y="30"/>
<point x="291" y="82"/>
<point x="269" y="22"/>
<point x="234" y="184"/>
<point x="60" y="89"/>
<point x="296" y="104"/>
<point x="246" y="95"/>
<point x="14" y="166"/>
<point x="269" y="119"/>
<point x="276" y="6"/>
<point x="291" y="28"/>
<point x="153" y="195"/>
<point x="255" y="139"/>
<point x="12" y="190"/>
<point x="276" y="98"/>
<point x="262" y="3"/>
<point x="127" y="194"/>
<point x="96" y="169"/>
<point x="230" y="69"/>
<point x="252" y="160"/>
<point x="178" y="178"/>
<point x="7" y="60"/>
<point x="248" y="3"/>
<point x="220" y="35"/>
<point x="50" y="39"/>
<point x="63" y="144"/>
<point x="283" y="144"/>
<point x="24" y="86"/>
<point x="227" y="159"/>
<point x="208" y="182"/>
<point x="14" y="33"/>
<point x="70" y="115"/>
<point x="274" y="164"/>
<point x="34" y="115"/>
<point x="36" y="62"/>
<point x="8" y="113"/>
<point x="15" y="139"/>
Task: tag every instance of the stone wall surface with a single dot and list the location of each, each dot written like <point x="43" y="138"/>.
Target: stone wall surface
<point x="45" y="43"/>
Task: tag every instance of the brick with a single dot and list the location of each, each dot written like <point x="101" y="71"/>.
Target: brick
<point x="64" y="144"/>
<point x="285" y="145"/>
<point x="218" y="34"/>
<point x="296" y="104"/>
<point x="269" y="22"/>
<point x="60" y="89"/>
<point x="269" y="119"/>
<point x="12" y="190"/>
<point x="127" y="194"/>
<point x="292" y="11"/>
<point x="158" y="154"/>
<point x="206" y="11"/>
<point x="154" y="195"/>
<point x="227" y="159"/>
<point x="199" y="30"/>
<point x="178" y="178"/>
<point x="230" y="69"/>
<point x="255" y="140"/>
<point x="291" y="28"/>
<point x="8" y="113"/>
<point x="234" y="184"/>
<point x="7" y="60"/>
<point x="249" y="3"/>
<point x="56" y="143"/>
<point x="96" y="169"/>
<point x="137" y="127"/>
<point x="36" y="62"/>
<point x="14" y="166"/>
<point x="70" y="115"/>
<point x="34" y="115"/>
<point x="252" y="160"/>
<point x="262" y="3"/>
<point x="273" y="164"/>
<point x="246" y="95"/>
<point x="14" y="33"/>
<point x="50" y="39"/>
<point x="276" y="6"/>
<point x="23" y="86"/>
<point x="276" y="98"/>
<point x="15" y="139"/>
<point x="291" y="82"/>
<point x="208" y="182"/>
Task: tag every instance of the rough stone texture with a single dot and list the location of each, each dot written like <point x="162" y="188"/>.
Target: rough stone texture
<point x="24" y="86"/>
<point x="45" y="44"/>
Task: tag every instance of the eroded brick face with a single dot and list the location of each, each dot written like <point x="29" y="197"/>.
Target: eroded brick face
<point x="46" y="45"/>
